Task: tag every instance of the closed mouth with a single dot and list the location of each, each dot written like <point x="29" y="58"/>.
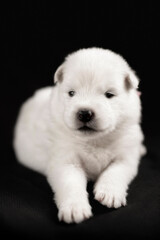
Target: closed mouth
<point x="86" y="129"/>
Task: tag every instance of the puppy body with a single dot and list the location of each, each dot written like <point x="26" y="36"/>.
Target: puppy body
<point x="50" y="138"/>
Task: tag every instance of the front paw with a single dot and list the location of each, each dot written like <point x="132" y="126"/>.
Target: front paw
<point x="74" y="212"/>
<point x="110" y="196"/>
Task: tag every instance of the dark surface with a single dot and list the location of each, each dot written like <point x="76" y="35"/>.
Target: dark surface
<point x="27" y="208"/>
<point x="37" y="36"/>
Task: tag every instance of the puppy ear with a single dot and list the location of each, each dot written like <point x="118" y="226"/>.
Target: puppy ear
<point x="58" y="76"/>
<point x="131" y="81"/>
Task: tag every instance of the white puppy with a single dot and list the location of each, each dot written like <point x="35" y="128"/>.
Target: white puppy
<point x="84" y="128"/>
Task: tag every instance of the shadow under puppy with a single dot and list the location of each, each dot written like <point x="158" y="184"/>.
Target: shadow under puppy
<point x="87" y="127"/>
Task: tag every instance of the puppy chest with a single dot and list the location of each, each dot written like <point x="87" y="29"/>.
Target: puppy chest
<point x="95" y="160"/>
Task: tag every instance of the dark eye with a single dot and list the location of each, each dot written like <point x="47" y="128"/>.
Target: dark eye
<point x="71" y="93"/>
<point x="109" y="95"/>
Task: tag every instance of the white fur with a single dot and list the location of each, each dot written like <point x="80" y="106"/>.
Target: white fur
<point x="47" y="139"/>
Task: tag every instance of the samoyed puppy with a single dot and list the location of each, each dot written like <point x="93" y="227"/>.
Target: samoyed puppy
<point x="86" y="127"/>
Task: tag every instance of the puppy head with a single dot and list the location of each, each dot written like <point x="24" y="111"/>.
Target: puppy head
<point x="97" y="91"/>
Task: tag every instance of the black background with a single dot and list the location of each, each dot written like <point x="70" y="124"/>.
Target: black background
<point x="37" y="35"/>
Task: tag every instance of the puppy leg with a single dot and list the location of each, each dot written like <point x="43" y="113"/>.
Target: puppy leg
<point x="69" y="185"/>
<point x="111" y="187"/>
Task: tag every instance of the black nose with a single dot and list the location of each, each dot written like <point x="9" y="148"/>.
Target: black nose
<point x="85" y="115"/>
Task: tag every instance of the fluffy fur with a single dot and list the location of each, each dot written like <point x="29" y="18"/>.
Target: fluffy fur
<point x="48" y="138"/>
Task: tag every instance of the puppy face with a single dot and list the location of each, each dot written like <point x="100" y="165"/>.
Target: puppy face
<point x="94" y="88"/>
